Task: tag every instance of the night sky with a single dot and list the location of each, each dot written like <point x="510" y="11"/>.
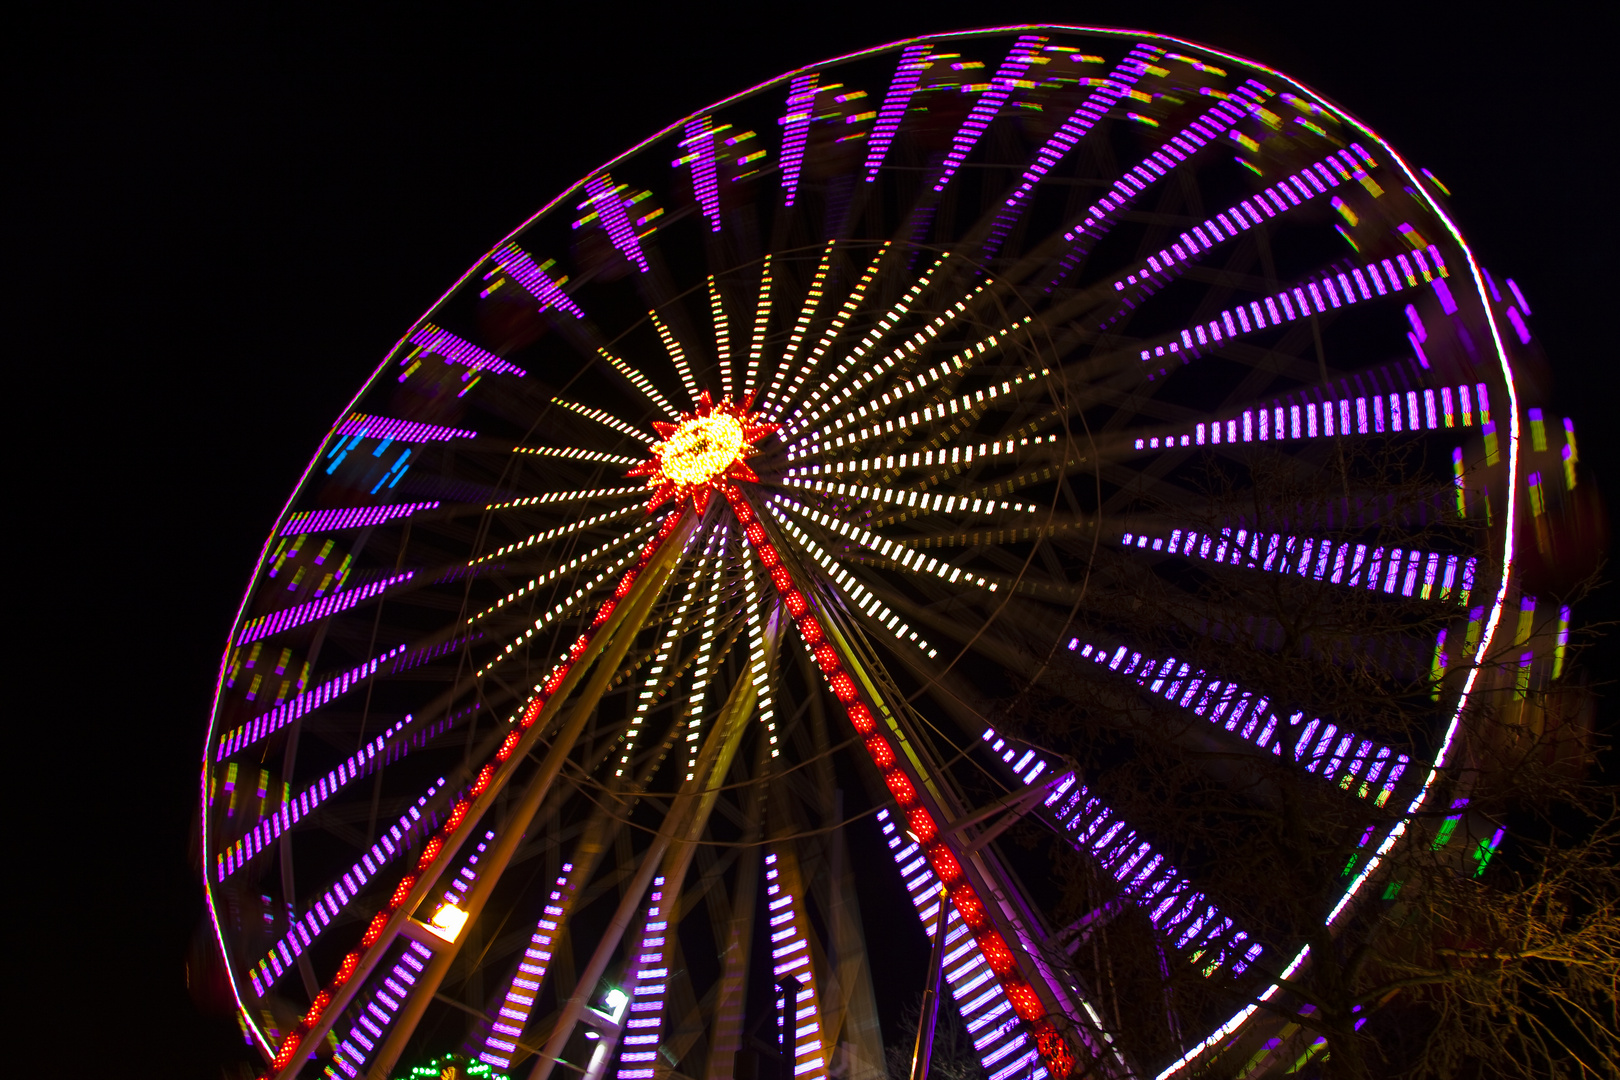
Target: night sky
<point x="230" y="214"/>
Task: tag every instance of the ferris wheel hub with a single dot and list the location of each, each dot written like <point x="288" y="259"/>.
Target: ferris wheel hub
<point x="703" y="450"/>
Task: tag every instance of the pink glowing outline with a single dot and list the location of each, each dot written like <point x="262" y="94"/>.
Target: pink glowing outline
<point x="1510" y="519"/>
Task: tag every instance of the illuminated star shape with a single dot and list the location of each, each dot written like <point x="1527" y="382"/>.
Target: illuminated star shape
<point x="704" y="450"/>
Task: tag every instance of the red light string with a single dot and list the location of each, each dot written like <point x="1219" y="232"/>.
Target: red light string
<point x="1054" y="1051"/>
<point x="458" y="813"/>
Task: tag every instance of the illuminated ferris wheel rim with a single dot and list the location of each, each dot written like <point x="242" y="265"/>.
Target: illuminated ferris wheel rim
<point x="1417" y="183"/>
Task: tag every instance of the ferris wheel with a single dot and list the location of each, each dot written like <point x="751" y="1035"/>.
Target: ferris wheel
<point x="753" y="493"/>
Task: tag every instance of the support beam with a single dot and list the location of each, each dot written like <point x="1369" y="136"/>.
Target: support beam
<point x="495" y="861"/>
<point x="683" y="825"/>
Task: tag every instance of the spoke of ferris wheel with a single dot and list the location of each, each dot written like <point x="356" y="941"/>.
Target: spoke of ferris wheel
<point x="645" y="981"/>
<point x="854" y="591"/>
<point x="1388" y="277"/>
<point x="1288" y="194"/>
<point x="565" y="496"/>
<point x="835" y="328"/>
<point x="1173" y="903"/>
<point x="791" y="968"/>
<point x="578" y="562"/>
<point x="658" y="674"/>
<point x="877" y="369"/>
<point x="606" y="419"/>
<point x="904" y="558"/>
<point x="702" y="669"/>
<point x="561" y="531"/>
<point x="913" y="60"/>
<point x="960" y="454"/>
<point x="1421" y="575"/>
<point x="895" y="428"/>
<point x="812" y="300"/>
<point x="1161" y="162"/>
<point x="563" y="607"/>
<point x="1203" y="133"/>
<point x="392" y="745"/>
<point x="285" y="712"/>
<point x="921" y="501"/>
<point x="1113" y="86"/>
<point x="722" y="337"/>
<point x="677" y="356"/>
<point x="1356" y="764"/>
<point x="886" y="322"/>
<point x="671" y="851"/>
<point x="1430" y="409"/>
<point x="642" y="383"/>
<point x="570" y="453"/>
<point x="988" y="103"/>
<point x="762" y="322"/>
<point x="518" y="1002"/>
<point x="969" y="357"/>
<point x="758" y="670"/>
<point x="336" y="899"/>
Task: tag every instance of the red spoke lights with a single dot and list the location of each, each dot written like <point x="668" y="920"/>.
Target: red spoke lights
<point x="1054" y="1051"/>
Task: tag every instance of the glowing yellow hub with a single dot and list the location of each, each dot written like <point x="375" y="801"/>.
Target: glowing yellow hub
<point x="701" y="448"/>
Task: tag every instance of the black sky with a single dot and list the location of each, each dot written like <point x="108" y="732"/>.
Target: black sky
<point x="229" y="214"/>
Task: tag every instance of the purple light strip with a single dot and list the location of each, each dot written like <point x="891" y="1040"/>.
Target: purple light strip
<point x="991" y="99"/>
<point x="466" y="875"/>
<point x="1423" y="574"/>
<point x="1179" y="147"/>
<point x="1145" y="877"/>
<point x="307" y="927"/>
<point x="517" y="265"/>
<point x="1228" y="705"/>
<point x="986" y="1013"/>
<point x="1094" y="108"/>
<point x="379" y="427"/>
<point x="796" y="130"/>
<point x="912" y="62"/>
<point x="1305" y="185"/>
<point x="790" y="957"/>
<point x="379" y="1012"/>
<point x="274" y="623"/>
<point x="440" y="342"/>
<point x="501" y="1043"/>
<point x="608" y="200"/>
<point x="286" y="713"/>
<point x="1410" y="410"/>
<point x="306" y="521"/>
<point x="290" y="813"/>
<point x="1399" y="273"/>
<point x="699" y="147"/>
<point x="647" y="981"/>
